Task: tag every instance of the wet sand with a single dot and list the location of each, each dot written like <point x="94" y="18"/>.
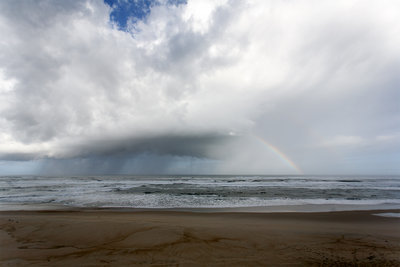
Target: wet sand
<point x="173" y="238"/>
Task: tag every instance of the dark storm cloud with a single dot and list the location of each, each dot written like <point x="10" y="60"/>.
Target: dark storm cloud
<point x="193" y="146"/>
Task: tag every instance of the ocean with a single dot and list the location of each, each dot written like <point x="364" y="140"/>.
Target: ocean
<point x="268" y="192"/>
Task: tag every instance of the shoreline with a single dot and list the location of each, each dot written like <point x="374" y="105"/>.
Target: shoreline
<point x="116" y="237"/>
<point x="302" y="208"/>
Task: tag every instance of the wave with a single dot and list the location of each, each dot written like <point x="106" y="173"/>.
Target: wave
<point x="200" y="191"/>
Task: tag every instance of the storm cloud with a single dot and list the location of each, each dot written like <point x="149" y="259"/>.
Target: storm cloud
<point x="202" y="83"/>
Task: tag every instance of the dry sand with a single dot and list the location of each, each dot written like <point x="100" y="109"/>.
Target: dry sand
<point x="168" y="238"/>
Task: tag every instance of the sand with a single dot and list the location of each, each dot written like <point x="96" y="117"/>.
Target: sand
<point x="173" y="238"/>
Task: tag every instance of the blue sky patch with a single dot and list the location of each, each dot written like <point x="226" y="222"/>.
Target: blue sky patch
<point x="125" y="10"/>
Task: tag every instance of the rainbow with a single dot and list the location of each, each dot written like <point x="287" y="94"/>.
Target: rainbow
<point x="284" y="158"/>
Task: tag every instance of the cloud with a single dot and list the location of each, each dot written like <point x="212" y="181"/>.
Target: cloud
<point x="179" y="82"/>
<point x="341" y="140"/>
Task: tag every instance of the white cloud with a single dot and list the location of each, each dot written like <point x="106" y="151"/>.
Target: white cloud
<point x="6" y="84"/>
<point x="389" y="138"/>
<point x="295" y="72"/>
<point x="345" y="140"/>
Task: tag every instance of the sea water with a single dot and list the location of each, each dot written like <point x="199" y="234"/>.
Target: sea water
<point x="207" y="191"/>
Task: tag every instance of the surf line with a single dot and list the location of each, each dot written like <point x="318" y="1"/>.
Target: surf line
<point x="284" y="158"/>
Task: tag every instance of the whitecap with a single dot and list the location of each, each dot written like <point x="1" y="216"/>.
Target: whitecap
<point x="389" y="214"/>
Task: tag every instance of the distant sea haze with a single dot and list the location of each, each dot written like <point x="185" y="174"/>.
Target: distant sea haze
<point x="359" y="192"/>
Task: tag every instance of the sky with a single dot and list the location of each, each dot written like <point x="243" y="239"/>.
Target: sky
<point x="199" y="87"/>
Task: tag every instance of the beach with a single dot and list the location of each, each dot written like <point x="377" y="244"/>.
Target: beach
<point x="121" y="237"/>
